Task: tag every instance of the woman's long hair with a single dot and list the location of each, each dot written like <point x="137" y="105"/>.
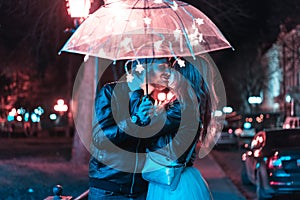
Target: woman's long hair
<point x="190" y="83"/>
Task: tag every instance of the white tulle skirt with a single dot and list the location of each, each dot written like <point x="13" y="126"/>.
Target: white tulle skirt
<point x="192" y="186"/>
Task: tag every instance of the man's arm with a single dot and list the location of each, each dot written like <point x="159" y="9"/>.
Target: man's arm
<point x="104" y="125"/>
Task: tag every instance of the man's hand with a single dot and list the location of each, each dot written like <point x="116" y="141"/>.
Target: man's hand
<point x="145" y="110"/>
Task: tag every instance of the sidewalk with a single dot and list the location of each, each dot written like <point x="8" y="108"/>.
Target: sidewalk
<point x="221" y="186"/>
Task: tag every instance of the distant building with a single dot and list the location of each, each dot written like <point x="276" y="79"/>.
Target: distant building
<point x="282" y="61"/>
<point x="271" y="62"/>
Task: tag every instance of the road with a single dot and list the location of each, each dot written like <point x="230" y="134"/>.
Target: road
<point x="35" y="147"/>
<point x="230" y="162"/>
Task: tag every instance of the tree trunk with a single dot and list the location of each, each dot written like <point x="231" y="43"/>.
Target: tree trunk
<point x="83" y="99"/>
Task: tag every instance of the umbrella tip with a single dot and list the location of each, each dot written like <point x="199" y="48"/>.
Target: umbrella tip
<point x="86" y="57"/>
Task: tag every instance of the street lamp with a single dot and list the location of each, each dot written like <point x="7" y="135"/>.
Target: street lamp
<point x="79" y="10"/>
<point x="61" y="107"/>
<point x="290" y="100"/>
<point x="227" y="109"/>
<point x="254" y="101"/>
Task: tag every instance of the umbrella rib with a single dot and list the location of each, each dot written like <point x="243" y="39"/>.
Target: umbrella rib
<point x="145" y="29"/>
<point x="132" y="8"/>
<point x="184" y="32"/>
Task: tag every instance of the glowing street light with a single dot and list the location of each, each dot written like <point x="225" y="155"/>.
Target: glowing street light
<point x="227" y="109"/>
<point x="288" y="98"/>
<point x="13" y="112"/>
<point x="218" y="113"/>
<point x="61" y="106"/>
<point x="78" y="10"/>
<point x="255" y="100"/>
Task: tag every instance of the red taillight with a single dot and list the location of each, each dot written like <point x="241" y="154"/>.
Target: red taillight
<point x="274" y="162"/>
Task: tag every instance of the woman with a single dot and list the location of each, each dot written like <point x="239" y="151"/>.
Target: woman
<point x="191" y="91"/>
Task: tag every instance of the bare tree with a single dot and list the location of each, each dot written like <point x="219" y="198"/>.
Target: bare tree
<point x="35" y="27"/>
<point x="5" y="89"/>
<point x="250" y="80"/>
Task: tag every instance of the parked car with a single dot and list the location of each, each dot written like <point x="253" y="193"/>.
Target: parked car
<point x="227" y="139"/>
<point x="272" y="162"/>
<point x="291" y="122"/>
<point x="245" y="135"/>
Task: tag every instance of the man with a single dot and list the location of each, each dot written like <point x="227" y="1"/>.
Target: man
<point x="122" y="127"/>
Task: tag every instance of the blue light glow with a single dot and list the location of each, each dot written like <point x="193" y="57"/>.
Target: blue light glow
<point x="26" y="117"/>
<point x="10" y="118"/>
<point x="53" y="116"/>
<point x="247" y="125"/>
<point x="35" y="117"/>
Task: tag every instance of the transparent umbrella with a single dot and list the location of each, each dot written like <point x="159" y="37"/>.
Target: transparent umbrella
<point x="134" y="29"/>
<point x="131" y="29"/>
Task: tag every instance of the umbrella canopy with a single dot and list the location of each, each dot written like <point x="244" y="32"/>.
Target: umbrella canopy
<point x="131" y="29"/>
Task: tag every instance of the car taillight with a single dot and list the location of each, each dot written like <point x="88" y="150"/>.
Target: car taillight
<point x="274" y="162"/>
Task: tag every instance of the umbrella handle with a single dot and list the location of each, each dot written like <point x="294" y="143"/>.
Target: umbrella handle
<point x="146" y="68"/>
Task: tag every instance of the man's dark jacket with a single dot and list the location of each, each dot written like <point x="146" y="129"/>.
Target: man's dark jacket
<point x="118" y="146"/>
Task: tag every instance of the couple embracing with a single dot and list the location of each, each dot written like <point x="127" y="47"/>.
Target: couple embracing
<point x="163" y="106"/>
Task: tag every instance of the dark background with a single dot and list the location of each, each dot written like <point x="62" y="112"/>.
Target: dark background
<point x="32" y="33"/>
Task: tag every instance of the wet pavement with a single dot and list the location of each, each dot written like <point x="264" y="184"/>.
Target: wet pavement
<point x="220" y="185"/>
<point x="60" y="147"/>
